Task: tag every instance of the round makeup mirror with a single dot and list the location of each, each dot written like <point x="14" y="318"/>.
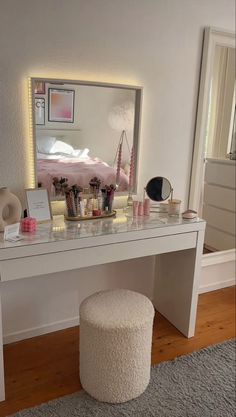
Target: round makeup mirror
<point x="158" y="189"/>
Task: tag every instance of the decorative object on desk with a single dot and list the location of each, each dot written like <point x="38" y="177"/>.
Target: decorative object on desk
<point x="72" y="195"/>
<point x="119" y="156"/>
<point x="107" y="197"/>
<point x="189" y="214"/>
<point x="121" y="118"/>
<point x="174" y="207"/>
<point x="146" y="207"/>
<point x="140" y="208"/>
<point x="28" y="224"/>
<point x="159" y="189"/>
<point x="10" y="208"/>
<point x="131" y="178"/>
<point x="11" y="232"/>
<point x="38" y="204"/>
<point x="135" y="208"/>
<point x="60" y="185"/>
<point x="61" y="105"/>
<point x="39" y="104"/>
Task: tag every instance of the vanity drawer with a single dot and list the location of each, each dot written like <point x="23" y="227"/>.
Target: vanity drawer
<point x="30" y="266"/>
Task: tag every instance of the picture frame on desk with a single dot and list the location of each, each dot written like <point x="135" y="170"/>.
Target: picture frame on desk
<point x="38" y="204"/>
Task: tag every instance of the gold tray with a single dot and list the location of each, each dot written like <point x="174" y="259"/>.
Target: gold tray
<point x="78" y="218"/>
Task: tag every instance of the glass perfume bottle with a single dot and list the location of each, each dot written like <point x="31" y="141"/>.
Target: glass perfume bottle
<point x="128" y="209"/>
<point x="130" y="199"/>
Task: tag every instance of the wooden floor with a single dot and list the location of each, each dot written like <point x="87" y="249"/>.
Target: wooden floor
<point x="47" y="367"/>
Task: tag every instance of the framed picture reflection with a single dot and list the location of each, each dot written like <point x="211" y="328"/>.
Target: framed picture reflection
<point x="61" y="105"/>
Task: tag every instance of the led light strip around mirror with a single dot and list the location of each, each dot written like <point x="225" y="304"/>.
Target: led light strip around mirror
<point x="32" y="128"/>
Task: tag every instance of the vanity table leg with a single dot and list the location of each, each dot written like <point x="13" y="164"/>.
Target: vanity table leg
<point x="2" y="382"/>
<point x="176" y="286"/>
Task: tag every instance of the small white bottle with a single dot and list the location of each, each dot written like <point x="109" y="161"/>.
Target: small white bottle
<point x="81" y="206"/>
<point x="99" y="201"/>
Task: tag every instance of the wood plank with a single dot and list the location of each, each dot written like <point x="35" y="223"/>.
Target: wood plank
<point x="47" y="367"/>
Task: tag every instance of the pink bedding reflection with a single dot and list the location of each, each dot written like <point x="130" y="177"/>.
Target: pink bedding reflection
<point x="78" y="172"/>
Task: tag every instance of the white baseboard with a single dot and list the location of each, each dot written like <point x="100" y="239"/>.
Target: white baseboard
<point x="40" y="330"/>
<point x="216" y="286"/>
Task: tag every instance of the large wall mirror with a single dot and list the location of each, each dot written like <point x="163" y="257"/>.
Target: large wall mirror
<point x="212" y="190"/>
<point x="84" y="130"/>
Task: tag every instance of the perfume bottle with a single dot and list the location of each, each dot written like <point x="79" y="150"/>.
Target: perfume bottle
<point x="130" y="200"/>
<point x="99" y="200"/>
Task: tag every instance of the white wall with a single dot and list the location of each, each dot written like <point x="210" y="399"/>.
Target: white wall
<point x="153" y="43"/>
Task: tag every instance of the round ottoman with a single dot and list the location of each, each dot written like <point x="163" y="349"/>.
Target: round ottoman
<point x="115" y="344"/>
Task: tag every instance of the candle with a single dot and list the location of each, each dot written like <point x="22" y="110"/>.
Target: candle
<point x="140" y="208"/>
<point x="174" y="207"/>
<point x="146" y="207"/>
<point x="135" y="208"/>
<point x="119" y="164"/>
<point x="131" y="170"/>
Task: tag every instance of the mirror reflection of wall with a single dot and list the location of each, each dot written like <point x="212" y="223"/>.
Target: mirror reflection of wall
<point x="219" y="171"/>
<point x="78" y="129"/>
<point x="222" y="104"/>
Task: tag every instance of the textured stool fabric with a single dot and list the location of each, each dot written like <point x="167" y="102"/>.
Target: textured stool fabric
<point x="115" y="344"/>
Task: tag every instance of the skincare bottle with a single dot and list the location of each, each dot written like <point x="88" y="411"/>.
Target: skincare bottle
<point x="81" y="206"/>
<point x="99" y="200"/>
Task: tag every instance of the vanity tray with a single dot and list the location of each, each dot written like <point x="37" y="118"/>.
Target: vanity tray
<point x="79" y="218"/>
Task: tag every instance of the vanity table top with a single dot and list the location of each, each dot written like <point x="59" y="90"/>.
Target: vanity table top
<point x="59" y="230"/>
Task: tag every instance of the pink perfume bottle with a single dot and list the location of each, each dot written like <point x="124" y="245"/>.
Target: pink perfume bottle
<point x="146" y="207"/>
<point x="140" y="208"/>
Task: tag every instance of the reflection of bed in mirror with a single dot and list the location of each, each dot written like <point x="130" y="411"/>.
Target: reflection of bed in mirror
<point x="85" y="130"/>
<point x="78" y="168"/>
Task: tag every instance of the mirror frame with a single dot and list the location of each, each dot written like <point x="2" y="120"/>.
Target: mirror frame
<point x="212" y="37"/>
<point x="137" y="120"/>
<point x="158" y="178"/>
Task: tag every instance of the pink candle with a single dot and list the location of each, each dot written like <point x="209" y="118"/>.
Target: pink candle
<point x="119" y="164"/>
<point x="28" y="224"/>
<point x="131" y="170"/>
<point x="140" y="208"/>
<point x="135" y="208"/>
<point x="146" y="208"/>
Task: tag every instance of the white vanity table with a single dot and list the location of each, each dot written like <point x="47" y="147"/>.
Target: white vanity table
<point x="62" y="246"/>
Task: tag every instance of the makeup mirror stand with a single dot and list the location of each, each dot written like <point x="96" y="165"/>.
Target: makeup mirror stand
<point x="157" y="192"/>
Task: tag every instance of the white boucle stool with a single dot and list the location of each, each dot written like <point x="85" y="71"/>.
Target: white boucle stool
<point x="115" y="344"/>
